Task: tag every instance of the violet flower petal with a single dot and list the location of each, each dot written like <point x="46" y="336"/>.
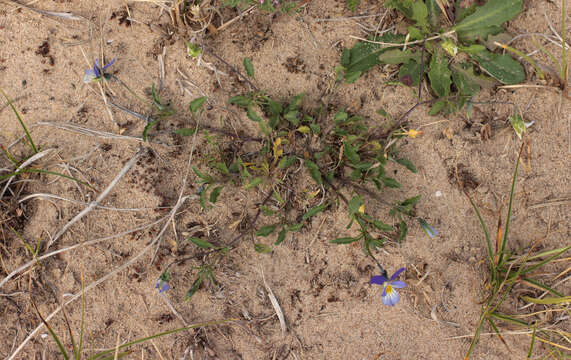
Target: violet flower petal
<point x="378" y="279"/>
<point x="397" y="273"/>
<point x="391" y="298"/>
<point x="398" y="284"/>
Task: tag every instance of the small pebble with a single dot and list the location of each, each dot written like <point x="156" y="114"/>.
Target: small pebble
<point x="438" y="193"/>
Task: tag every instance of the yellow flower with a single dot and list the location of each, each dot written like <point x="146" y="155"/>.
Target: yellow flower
<point x="413" y="133"/>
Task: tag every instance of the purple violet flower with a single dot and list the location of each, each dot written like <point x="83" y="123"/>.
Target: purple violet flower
<point x="163" y="282"/>
<point x="428" y="229"/>
<point x="97" y="72"/>
<point x="390" y="296"/>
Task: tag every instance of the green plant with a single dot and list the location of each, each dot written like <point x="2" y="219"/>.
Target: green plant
<point x="451" y="59"/>
<point x="507" y="270"/>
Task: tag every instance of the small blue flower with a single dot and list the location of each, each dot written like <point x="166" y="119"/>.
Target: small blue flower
<point x="428" y="229"/>
<point x="390" y="296"/>
<point x="97" y="72"/>
<point x="162" y="283"/>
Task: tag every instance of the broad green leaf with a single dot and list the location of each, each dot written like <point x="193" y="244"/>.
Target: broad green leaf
<point x="350" y="153"/>
<point x="296" y="101"/>
<point x="488" y="18"/>
<point x="502" y="67"/>
<point x="249" y="67"/>
<point x="203" y="244"/>
<point x="420" y="14"/>
<point x="204" y="177"/>
<point x="194" y="288"/>
<point x="409" y="73"/>
<point x="215" y="193"/>
<point x="197" y="104"/>
<point x="411" y="201"/>
<point x="439" y="75"/>
<point x="281" y="236"/>
<point x="265" y="230"/>
<point x="223" y="168"/>
<point x="294" y="227"/>
<point x="464" y="77"/>
<point x="275" y="107"/>
<point x="314" y="211"/>
<point x="292" y="117"/>
<point x="304" y="129"/>
<point x="262" y="248"/>
<point x="404" y="6"/>
<point x="437" y="107"/>
<point x="397" y="56"/>
<point x="364" y="55"/>
<point x="548" y="301"/>
<point x="344" y="240"/>
<point x="185" y="131"/>
<point x="433" y="14"/>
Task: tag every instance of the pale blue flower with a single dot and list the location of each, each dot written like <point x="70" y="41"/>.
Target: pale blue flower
<point x="97" y="72"/>
<point x="428" y="229"/>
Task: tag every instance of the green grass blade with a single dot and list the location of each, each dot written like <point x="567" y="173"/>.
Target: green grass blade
<point x="52" y="333"/>
<point x="541" y="263"/>
<point x="487" y="235"/>
<point x="42" y="171"/>
<point x="9" y="156"/>
<point x="99" y="356"/>
<point x="543" y="286"/>
<point x="507" y="226"/>
<point x="497" y="331"/>
<point x="30" y="140"/>
<point x="509" y="319"/>
<point x="548" y="301"/>
<point x="476" y="334"/>
<point x="530" y="352"/>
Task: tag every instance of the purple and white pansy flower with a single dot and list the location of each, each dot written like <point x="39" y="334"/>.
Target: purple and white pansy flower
<point x="390" y="295"/>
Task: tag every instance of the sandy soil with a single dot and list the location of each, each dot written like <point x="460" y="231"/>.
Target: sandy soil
<point x="331" y="311"/>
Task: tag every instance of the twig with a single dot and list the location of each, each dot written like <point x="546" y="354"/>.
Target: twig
<point x="275" y="304"/>
<point x="100" y="198"/>
<point x="231" y="244"/>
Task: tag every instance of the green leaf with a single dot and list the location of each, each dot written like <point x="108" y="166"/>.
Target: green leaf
<point x="488" y="18"/>
<point x="249" y="67"/>
<point x="397" y="56"/>
<point x="281" y="236"/>
<point x="203" y="244"/>
<point x="403" y="231"/>
<point x="502" y="67"/>
<point x="275" y="107"/>
<point x="439" y="75"/>
<point x="266" y="230"/>
<point x="242" y="101"/>
<point x="286" y="162"/>
<point x="409" y="73"/>
<point x="350" y="153"/>
<point x="252" y="115"/>
<point x="223" y="168"/>
<point x="262" y="248"/>
<point x="215" y="193"/>
<point x="433" y="13"/>
<point x="148" y="127"/>
<point x="464" y="79"/>
<point x="314" y="171"/>
<point x="294" y="227"/>
<point x="548" y="301"/>
<point x="404" y="6"/>
<point x="364" y="55"/>
<point x="390" y="182"/>
<point x="437" y="107"/>
<point x="382" y="226"/>
<point x="344" y="240"/>
<point x="197" y="104"/>
<point x="205" y="177"/>
<point x="194" y="288"/>
<point x="407" y="163"/>
<point x="352" y="4"/>
<point x="314" y="211"/>
<point x="518" y="125"/>
<point x="354" y="205"/>
<point x="292" y="117"/>
<point x="185" y="131"/>
<point x="420" y="13"/>
<point x="257" y="181"/>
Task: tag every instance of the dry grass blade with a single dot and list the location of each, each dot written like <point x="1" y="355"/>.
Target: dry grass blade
<point x="37" y="156"/>
<point x="275" y="304"/>
<point x="89" y="132"/>
<point x="63" y="15"/>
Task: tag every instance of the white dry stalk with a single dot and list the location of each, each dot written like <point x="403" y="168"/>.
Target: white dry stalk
<point x="86" y="243"/>
<point x="37" y="156"/>
<point x="45" y="196"/>
<point x="89" y="132"/>
<point x="100" y="198"/>
<point x="275" y="304"/>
